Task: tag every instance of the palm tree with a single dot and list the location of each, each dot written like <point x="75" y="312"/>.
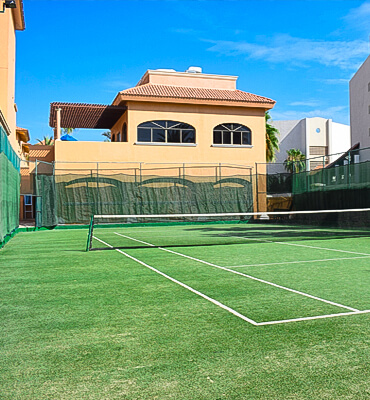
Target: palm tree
<point x="108" y="136"/>
<point x="68" y="131"/>
<point x="272" y="141"/>
<point x="295" y="161"/>
<point x="46" y="141"/>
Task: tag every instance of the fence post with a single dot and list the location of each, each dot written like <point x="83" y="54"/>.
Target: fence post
<point x="220" y="177"/>
<point x="38" y="216"/>
<point x="257" y="202"/>
<point x="97" y="189"/>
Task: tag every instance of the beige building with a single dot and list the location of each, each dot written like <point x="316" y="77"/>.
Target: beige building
<point x="169" y="117"/>
<point x="359" y="90"/>
<point x="11" y="20"/>
<point x="321" y="140"/>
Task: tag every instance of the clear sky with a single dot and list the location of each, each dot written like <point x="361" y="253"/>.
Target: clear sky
<point x="299" y="53"/>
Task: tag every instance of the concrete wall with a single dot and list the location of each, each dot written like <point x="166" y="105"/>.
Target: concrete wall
<point x="310" y="132"/>
<point x="202" y="118"/>
<point x="185" y="79"/>
<point x="359" y="105"/>
<point x="292" y="136"/>
<point x="339" y="141"/>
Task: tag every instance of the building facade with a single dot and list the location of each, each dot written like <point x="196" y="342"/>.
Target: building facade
<point x="170" y="117"/>
<point x="359" y="90"/>
<point x="320" y="140"/>
<point x="11" y="20"/>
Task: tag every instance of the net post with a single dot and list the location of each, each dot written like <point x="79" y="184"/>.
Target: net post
<point x="90" y="234"/>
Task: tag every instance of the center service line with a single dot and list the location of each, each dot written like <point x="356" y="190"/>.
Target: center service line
<point x="245" y="275"/>
<point x="217" y="303"/>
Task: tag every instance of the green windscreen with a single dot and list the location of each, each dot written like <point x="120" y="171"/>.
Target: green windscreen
<point x="79" y="197"/>
<point x="337" y="187"/>
<point x="9" y="189"/>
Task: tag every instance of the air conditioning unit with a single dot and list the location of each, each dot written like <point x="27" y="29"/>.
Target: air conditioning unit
<point x="194" y="70"/>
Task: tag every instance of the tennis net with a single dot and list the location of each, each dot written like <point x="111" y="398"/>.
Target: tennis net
<point x="108" y="232"/>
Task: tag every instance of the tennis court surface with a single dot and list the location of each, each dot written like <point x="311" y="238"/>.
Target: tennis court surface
<point x="187" y="311"/>
<point x="243" y="268"/>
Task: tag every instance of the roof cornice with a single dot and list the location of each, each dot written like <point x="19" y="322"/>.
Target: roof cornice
<point x="156" y="99"/>
<point x="18" y="16"/>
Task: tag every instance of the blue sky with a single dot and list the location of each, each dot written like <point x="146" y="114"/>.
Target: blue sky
<point x="300" y="53"/>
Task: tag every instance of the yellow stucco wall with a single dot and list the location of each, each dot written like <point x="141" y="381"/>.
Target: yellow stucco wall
<point x="7" y="74"/>
<point x="202" y="117"/>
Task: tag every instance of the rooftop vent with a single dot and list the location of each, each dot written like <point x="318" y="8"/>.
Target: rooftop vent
<point x="194" y="70"/>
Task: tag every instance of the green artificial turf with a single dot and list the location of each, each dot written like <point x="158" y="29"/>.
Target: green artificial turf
<point x="99" y="325"/>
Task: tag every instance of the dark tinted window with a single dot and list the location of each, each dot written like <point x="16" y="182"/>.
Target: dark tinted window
<point x="247" y="138"/>
<point x="188" y="136"/>
<point x="226" y="136"/>
<point x="165" y="132"/>
<point x="173" y="135"/>
<point x="217" y="137"/>
<point x="234" y="134"/>
<point x="159" y="135"/>
<point x="144" y="135"/>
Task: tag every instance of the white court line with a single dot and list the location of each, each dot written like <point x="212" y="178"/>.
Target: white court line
<point x="296" y="262"/>
<point x="284" y="321"/>
<point x="232" y="311"/>
<point x="245" y="275"/>
<point x="217" y="303"/>
<point x="301" y="245"/>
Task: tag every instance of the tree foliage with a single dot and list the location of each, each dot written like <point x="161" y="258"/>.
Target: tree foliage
<point x="295" y="161"/>
<point x="46" y="141"/>
<point x="68" y="131"/>
<point x="108" y="136"/>
<point x="272" y="139"/>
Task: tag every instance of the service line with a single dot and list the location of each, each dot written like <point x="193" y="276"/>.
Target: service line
<point x="242" y="274"/>
<point x="296" y="262"/>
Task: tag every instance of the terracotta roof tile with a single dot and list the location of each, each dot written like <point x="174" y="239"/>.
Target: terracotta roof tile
<point x="151" y="90"/>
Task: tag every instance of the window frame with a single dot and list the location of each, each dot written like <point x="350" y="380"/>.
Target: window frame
<point x="165" y="128"/>
<point x="229" y="129"/>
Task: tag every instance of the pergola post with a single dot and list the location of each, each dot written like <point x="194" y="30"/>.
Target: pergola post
<point x="57" y="129"/>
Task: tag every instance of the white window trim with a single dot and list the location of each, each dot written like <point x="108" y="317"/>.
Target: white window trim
<point x="235" y="146"/>
<point x="165" y="144"/>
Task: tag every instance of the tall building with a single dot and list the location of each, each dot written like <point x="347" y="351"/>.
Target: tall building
<point x="359" y="91"/>
<point x="320" y="140"/>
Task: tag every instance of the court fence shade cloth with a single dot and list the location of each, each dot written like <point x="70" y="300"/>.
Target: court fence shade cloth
<point x="9" y="189"/>
<point x="73" y="197"/>
<point x="70" y="193"/>
<point x="7" y="149"/>
<point x="344" y="183"/>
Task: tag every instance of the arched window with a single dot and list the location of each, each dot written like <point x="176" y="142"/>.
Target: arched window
<point x="113" y="138"/>
<point x="232" y="134"/>
<point x="165" y="132"/>
<point x="124" y="132"/>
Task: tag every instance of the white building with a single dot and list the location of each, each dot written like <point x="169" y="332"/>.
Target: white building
<point x="320" y="140"/>
<point x="359" y="92"/>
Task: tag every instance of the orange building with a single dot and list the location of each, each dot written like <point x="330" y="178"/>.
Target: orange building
<point x="11" y="20"/>
<point x="169" y="117"/>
